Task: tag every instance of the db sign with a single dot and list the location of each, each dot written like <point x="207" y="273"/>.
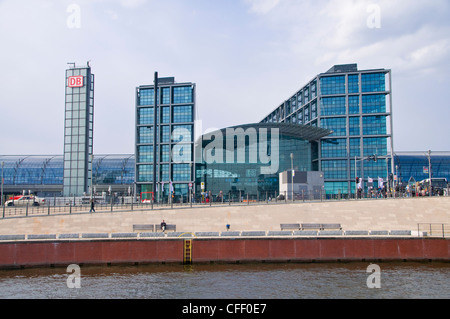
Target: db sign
<point x="75" y="81"/>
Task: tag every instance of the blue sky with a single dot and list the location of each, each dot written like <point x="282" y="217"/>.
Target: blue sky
<point x="246" y="57"/>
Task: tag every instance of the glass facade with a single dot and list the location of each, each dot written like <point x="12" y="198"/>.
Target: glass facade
<point x="43" y="174"/>
<point x="355" y="105"/>
<point x="175" y="139"/>
<point x="78" y="130"/>
<point x="248" y="159"/>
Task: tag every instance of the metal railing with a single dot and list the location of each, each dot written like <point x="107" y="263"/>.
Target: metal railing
<point x="434" y="229"/>
<point x="60" y="205"/>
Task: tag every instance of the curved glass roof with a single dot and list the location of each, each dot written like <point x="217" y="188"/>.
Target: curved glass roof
<point x="306" y="132"/>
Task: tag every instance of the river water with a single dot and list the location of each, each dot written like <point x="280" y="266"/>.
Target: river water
<point x="232" y="281"/>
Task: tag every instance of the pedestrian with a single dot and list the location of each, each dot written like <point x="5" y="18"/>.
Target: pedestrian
<point x="163" y="225"/>
<point x="92" y="206"/>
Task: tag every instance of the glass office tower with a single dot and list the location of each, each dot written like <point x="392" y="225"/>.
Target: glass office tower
<point x="357" y="106"/>
<point x="175" y="115"/>
<point x="78" y="130"/>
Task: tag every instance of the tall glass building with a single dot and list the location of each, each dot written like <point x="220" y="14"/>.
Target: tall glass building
<point x="78" y="130"/>
<point x="357" y="106"/>
<point x="175" y="115"/>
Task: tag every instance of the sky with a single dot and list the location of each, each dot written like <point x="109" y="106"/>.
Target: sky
<point x="245" y="56"/>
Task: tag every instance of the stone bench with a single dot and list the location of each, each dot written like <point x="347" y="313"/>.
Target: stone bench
<point x="143" y="227"/>
<point x="305" y="233"/>
<point x="356" y="232"/>
<point x="311" y="226"/>
<point x="279" y="233"/>
<point x="331" y="226"/>
<point x="168" y="227"/>
<point x="290" y="226"/>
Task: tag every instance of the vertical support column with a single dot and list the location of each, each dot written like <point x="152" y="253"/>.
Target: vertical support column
<point x="155" y="125"/>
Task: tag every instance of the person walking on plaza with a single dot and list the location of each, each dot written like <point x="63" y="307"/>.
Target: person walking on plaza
<point x="92" y="206"/>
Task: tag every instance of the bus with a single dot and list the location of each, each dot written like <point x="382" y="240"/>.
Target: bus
<point x="438" y="186"/>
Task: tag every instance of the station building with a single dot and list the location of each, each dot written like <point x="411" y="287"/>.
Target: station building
<point x="357" y="106"/>
<point x="247" y="160"/>
<point x="334" y="124"/>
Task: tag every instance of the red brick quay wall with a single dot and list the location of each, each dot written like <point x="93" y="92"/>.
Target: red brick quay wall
<point x="233" y="250"/>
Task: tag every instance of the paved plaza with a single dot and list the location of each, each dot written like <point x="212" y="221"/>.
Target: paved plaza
<point x="381" y="214"/>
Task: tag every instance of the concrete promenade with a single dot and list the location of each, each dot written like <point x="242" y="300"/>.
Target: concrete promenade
<point x="382" y="214"/>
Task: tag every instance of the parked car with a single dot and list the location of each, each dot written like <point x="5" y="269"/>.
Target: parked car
<point x="23" y="200"/>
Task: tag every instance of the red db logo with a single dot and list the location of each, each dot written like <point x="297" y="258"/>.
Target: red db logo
<point x="75" y="81"/>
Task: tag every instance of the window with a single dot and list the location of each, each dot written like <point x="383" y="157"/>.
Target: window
<point x="181" y="172"/>
<point x="145" y="116"/>
<point x="182" y="94"/>
<point x="335" y="169"/>
<point x="332" y="106"/>
<point x="182" y="153"/>
<point x="353" y="104"/>
<point x="375" y="169"/>
<point x="165" y="134"/>
<point x="332" y="85"/>
<point x="313" y="110"/>
<point x="306" y="113"/>
<point x="375" y="145"/>
<point x="165" y="116"/>
<point x="146" y="97"/>
<point x="165" y="153"/>
<point x="373" y="82"/>
<point x="182" y="113"/>
<point x="337" y="125"/>
<point x="334" y="188"/>
<point x="374" y="125"/>
<point x="164" y="169"/>
<point x="353" y="123"/>
<point x="182" y="133"/>
<point x="353" y="83"/>
<point x="334" y="148"/>
<point x="313" y="90"/>
<point x="374" y="103"/>
<point x="300" y="117"/>
<point x="145" y="135"/>
<point x="166" y="95"/>
<point x="355" y="147"/>
<point x="145" y="173"/>
<point x="145" y="154"/>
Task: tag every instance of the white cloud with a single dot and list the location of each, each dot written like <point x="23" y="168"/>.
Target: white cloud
<point x="262" y="6"/>
<point x="246" y="57"/>
<point x="132" y="3"/>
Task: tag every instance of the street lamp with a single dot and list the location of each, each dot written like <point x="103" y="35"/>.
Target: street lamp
<point x="429" y="171"/>
<point x="292" y="175"/>
<point x="3" y="164"/>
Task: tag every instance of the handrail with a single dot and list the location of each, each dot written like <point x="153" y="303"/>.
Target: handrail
<point x="434" y="229"/>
